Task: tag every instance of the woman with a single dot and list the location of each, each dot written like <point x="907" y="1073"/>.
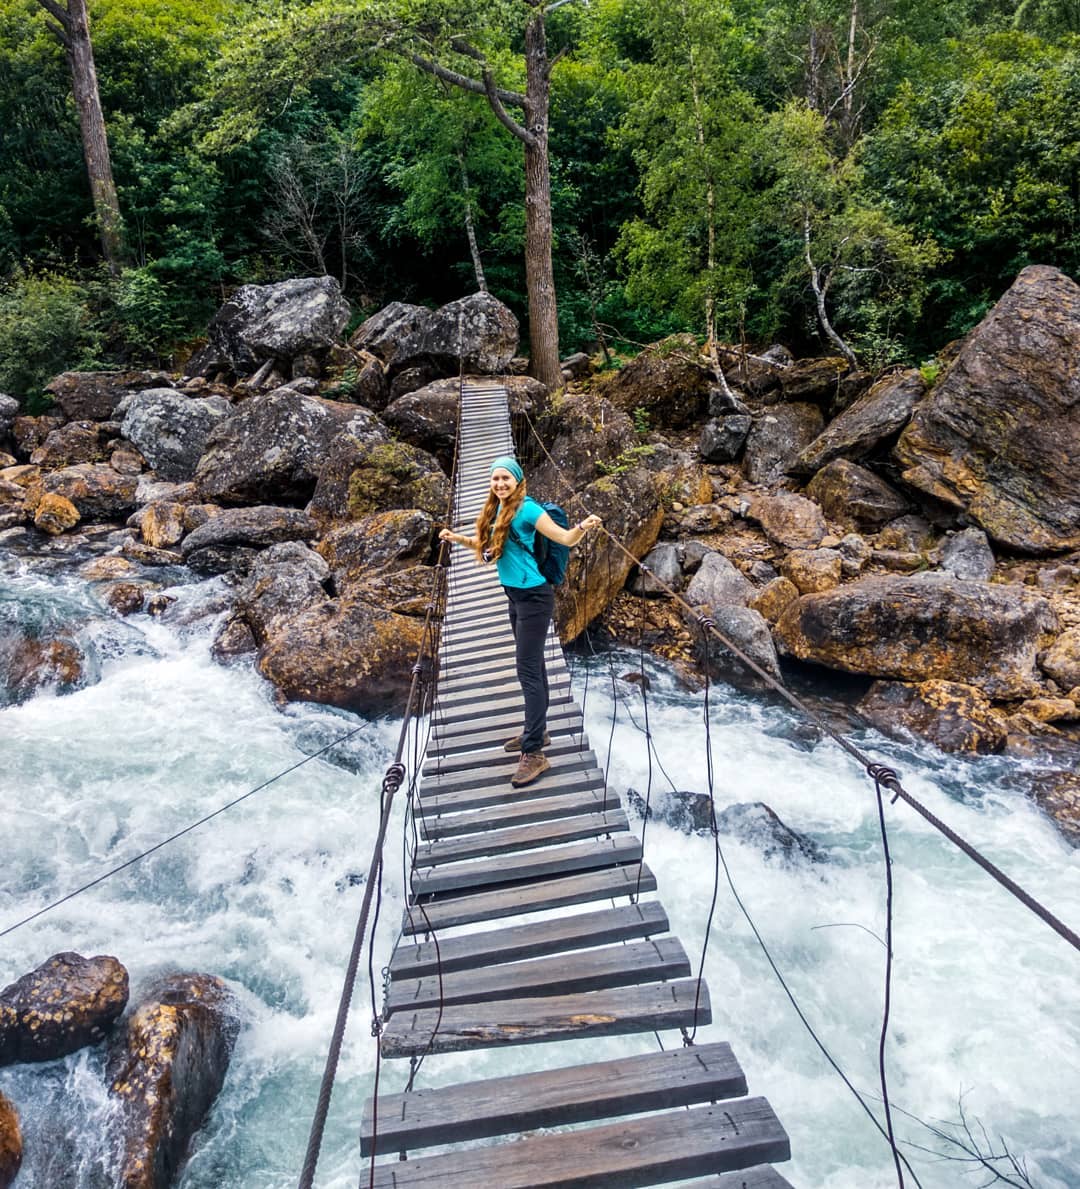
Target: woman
<point x="505" y="531"/>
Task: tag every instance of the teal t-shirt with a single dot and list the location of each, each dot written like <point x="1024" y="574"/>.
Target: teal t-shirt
<point x="517" y="566"/>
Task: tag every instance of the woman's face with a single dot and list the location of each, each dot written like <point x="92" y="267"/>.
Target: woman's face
<point x="502" y="484"/>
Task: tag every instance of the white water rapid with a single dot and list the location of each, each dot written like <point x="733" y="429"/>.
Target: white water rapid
<point x="985" y="1014"/>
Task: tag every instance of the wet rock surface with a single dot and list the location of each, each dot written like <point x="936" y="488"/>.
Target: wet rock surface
<point x="949" y="714"/>
<point x="65" y="1004"/>
<point x="11" y="1146"/>
<point x="166" y="1068"/>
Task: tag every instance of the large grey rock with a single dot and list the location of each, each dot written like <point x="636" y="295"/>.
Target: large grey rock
<point x="68" y="1002"/>
<point x="9" y="410"/>
<point x="584" y="434"/>
<point x="723" y="438"/>
<point x="869" y="422"/>
<point x="777" y="437"/>
<point x="816" y="380"/>
<point x="95" y="396"/>
<point x="929" y="627"/>
<point x="271" y="449"/>
<point x="748" y="632"/>
<point x="788" y="519"/>
<point x="999" y="435"/>
<point x="718" y="583"/>
<point x="171" y="428"/>
<point x="668" y="380"/>
<point x="968" y="555"/>
<point x="394" y="540"/>
<point x="258" y="527"/>
<point x="387" y="331"/>
<point x="662" y="563"/>
<point x="97" y="491"/>
<point x="262" y="322"/>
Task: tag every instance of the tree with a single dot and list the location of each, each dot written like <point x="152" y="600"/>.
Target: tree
<point x="70" y="25"/>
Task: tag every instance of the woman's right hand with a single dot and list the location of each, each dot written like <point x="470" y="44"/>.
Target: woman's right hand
<point x="446" y="535"/>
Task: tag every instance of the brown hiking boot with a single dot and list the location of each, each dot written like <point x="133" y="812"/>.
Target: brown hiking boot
<point x="531" y="766"/>
<point x="515" y="743"/>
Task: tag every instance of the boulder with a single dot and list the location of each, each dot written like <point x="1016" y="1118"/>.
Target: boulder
<point x="723" y="438"/>
<point x="93" y="396"/>
<point x="259" y="323"/>
<point x="668" y="380"/>
<point x="53" y="660"/>
<point x="258" y="527"/>
<point x="166" y="1067"/>
<point x="661" y="562"/>
<point x="868" y="423"/>
<point x="753" y="374"/>
<point x="576" y="366"/>
<point x="584" y="434"/>
<point x="1061" y="661"/>
<point x="968" y="555"/>
<point x="701" y="518"/>
<point x="851" y="494"/>
<point x="405" y="592"/>
<point x="953" y="716"/>
<point x="75" y="442"/>
<point x="126" y="598"/>
<point x="11" y="1147"/>
<point x="813" y="380"/>
<point x="364" y="381"/>
<point x="171" y="428"/>
<point x="813" y="570"/>
<point x="28" y="433"/>
<point x="790" y="520"/>
<point x="908" y="534"/>
<point x="284" y="581"/>
<point x="724" y="403"/>
<point x="930" y="627"/>
<point x="55" y="514"/>
<point x="998" y="437"/>
<point x="385" y="540"/>
<point x="162" y="524"/>
<point x="372" y="473"/>
<point x="271" y="449"/>
<point x="776" y="439"/>
<point x="67" y="1003"/>
<point x="855" y="554"/>
<point x="96" y="490"/>
<point x="9" y="410"/>
<point x="749" y="633"/>
<point x="396" y="323"/>
<point x="412" y="379"/>
<point x="773" y="599"/>
<point x="1058" y="793"/>
<point x="717" y="583"/>
<point x="758" y="824"/>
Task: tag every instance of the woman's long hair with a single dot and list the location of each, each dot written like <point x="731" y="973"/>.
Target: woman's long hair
<point x="500" y="517"/>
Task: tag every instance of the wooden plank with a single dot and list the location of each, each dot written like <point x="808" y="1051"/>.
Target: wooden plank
<point x="500" y="772"/>
<point x="497" y="679"/>
<point x="557" y="860"/>
<point x="625" y="1155"/>
<point x="533" y="940"/>
<point x="520" y="838"/>
<point x="478" y="698"/>
<point x="635" y="962"/>
<point x="505" y="794"/>
<point x="614" y="1012"/>
<point x="567" y="724"/>
<point x="473" y="712"/>
<point x="515" y="813"/>
<point x="555" y="1098"/>
<point x="443" y="765"/>
<point x="763" y="1176"/>
<point x="542" y="895"/>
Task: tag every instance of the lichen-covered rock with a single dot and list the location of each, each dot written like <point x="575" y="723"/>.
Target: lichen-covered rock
<point x="384" y="333"/>
<point x="869" y="422"/>
<point x="968" y="555"/>
<point x="258" y="527"/>
<point x="163" y="524"/>
<point x="78" y="441"/>
<point x="999" y="435"/>
<point x="723" y="438"/>
<point x="299" y="316"/>
<point x="584" y="433"/>
<point x="371" y="473"/>
<point x="93" y="396"/>
<point x="126" y="598"/>
<point x="851" y="494"/>
<point x="754" y="374"/>
<point x="11" y="1147"/>
<point x="790" y="520"/>
<point x="776" y="439"/>
<point x="68" y="1002"/>
<point x="855" y="553"/>
<point x="30" y="664"/>
<point x="9" y="410"/>
<point x="271" y="449"/>
<point x="55" y="514"/>
<point x="930" y="627"/>
<point x="107" y="568"/>
<point x="28" y="433"/>
<point x="96" y="490"/>
<point x="773" y="598"/>
<point x="813" y="380"/>
<point x="813" y="570"/>
<point x="668" y="380"/>
<point x="171" y="428"/>
<point x="166" y="1067"/>
<point x="1061" y="661"/>
<point x="385" y="540"/>
<point x="952" y="716"/>
<point x="1057" y="793"/>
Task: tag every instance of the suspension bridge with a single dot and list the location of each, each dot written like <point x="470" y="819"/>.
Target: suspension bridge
<point x="484" y="853"/>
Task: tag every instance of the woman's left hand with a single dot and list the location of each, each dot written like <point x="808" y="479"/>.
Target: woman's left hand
<point x="590" y="522"/>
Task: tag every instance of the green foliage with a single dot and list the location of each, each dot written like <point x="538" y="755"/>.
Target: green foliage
<point x="46" y="326"/>
<point x="625" y="461"/>
<point x="640" y="417"/>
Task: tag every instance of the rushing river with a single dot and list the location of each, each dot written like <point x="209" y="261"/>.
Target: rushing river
<point x="985" y="1018"/>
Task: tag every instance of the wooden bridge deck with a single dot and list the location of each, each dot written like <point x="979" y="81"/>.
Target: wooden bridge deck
<point x="543" y="858"/>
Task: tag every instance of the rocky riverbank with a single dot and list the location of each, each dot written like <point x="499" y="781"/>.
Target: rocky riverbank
<point x="919" y="529"/>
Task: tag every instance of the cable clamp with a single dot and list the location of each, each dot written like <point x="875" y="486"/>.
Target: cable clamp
<point x="705" y="622"/>
<point x="882" y="774"/>
<point x="687" y="1039"/>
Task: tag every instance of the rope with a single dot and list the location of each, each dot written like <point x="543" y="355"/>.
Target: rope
<point x="888" y="777"/>
<point x="180" y="833"/>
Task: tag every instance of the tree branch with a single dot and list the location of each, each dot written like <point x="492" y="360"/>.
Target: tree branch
<point x="461" y="80"/>
<point x="554" y="61"/>
<point x="57" y="12"/>
<point x="501" y="114"/>
<point x="60" y="33"/>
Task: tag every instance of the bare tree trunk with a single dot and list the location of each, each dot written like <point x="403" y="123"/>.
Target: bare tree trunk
<point x="539" y="272"/>
<point x="470" y="230"/>
<point x="820" y="289"/>
<point x="72" y="29"/>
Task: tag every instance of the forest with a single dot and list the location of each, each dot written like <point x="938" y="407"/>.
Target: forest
<point x="862" y="177"/>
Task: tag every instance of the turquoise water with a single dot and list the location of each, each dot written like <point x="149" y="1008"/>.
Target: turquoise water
<point x="984" y="996"/>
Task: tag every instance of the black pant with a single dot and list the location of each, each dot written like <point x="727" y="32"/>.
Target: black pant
<point x="531" y="610"/>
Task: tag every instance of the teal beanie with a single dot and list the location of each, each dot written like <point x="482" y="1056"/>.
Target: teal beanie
<point x="509" y="464"/>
